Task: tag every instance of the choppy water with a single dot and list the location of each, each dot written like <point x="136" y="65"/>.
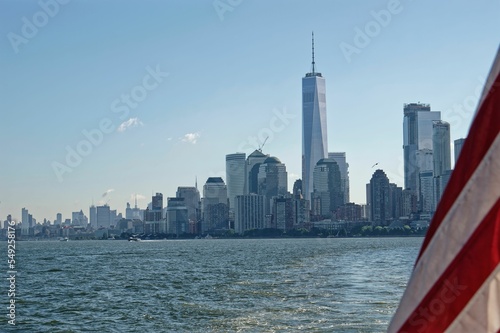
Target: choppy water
<point x="264" y="285"/>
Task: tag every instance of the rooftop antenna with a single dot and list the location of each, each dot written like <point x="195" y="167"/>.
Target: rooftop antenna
<point x="136" y="200"/>
<point x="313" y="52"/>
<point x="196" y="182"/>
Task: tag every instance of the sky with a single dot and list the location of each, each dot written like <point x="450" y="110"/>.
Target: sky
<point x="103" y="101"/>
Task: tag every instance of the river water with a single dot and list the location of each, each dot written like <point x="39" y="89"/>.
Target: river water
<point x="230" y="285"/>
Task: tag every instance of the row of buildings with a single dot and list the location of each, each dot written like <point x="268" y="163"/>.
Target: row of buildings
<point x="255" y="192"/>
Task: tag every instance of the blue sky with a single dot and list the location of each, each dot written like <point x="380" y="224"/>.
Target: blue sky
<point x="226" y="71"/>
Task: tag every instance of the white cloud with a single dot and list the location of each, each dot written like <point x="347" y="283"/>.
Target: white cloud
<point x="132" y="122"/>
<point x="107" y="192"/>
<point x="139" y="197"/>
<point x="190" y="138"/>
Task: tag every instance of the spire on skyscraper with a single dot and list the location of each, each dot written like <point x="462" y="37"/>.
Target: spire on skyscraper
<point x="313" y="53"/>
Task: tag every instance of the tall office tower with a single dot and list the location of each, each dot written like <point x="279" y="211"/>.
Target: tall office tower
<point x="327" y="193"/>
<point x="440" y="185"/>
<point x="103" y="216"/>
<point x="253" y="163"/>
<point x="395" y="201"/>
<point x="93" y="216"/>
<point x="24" y="218"/>
<point x="191" y="197"/>
<point x="283" y="213"/>
<point x="272" y="181"/>
<point x="340" y="158"/>
<point x="380" y="204"/>
<point x="426" y="200"/>
<point x="314" y="132"/>
<point x="249" y="213"/>
<point x="301" y="212"/>
<point x="153" y="217"/>
<point x="8" y="223"/>
<point x="128" y="212"/>
<point x="113" y="217"/>
<point x="235" y="176"/>
<point x="458" y="147"/>
<point x="133" y="213"/>
<point x="297" y="187"/>
<point x="58" y="219"/>
<point x="177" y="216"/>
<point x="441" y="150"/>
<point x="214" y="205"/>
<point x="417" y="135"/>
<point x="157" y="202"/>
<point x="78" y="218"/>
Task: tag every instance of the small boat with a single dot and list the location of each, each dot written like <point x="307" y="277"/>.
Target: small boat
<point x="65" y="239"/>
<point x="134" y="239"/>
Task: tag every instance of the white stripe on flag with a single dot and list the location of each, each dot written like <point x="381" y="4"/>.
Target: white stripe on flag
<point x="481" y="313"/>
<point x="475" y="201"/>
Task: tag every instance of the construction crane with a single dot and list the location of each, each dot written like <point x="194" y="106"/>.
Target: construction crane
<point x="263" y="143"/>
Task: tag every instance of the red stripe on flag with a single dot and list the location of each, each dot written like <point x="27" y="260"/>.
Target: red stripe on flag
<point x="483" y="132"/>
<point x="464" y="276"/>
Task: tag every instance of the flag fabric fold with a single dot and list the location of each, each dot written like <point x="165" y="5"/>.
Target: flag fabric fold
<point x="455" y="284"/>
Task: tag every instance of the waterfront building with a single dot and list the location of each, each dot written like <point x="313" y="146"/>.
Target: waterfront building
<point x="272" y="181"/>
<point x="215" y="205"/>
<point x="236" y="176"/>
<point x="314" y="125"/>
<point x="249" y="213"/>
<point x="177" y="216"/>
<point x="417" y="135"/>
<point x="340" y="158"/>
<point x="327" y="193"/>
<point x="283" y="213"/>
<point x="441" y="151"/>
<point x="379" y="198"/>
<point x="192" y="201"/>
<point x="103" y="216"/>
<point x="254" y="160"/>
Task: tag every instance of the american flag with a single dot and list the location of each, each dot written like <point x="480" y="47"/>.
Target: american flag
<point x="455" y="284"/>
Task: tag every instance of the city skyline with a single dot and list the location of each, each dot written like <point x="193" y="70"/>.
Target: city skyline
<point x="199" y="98"/>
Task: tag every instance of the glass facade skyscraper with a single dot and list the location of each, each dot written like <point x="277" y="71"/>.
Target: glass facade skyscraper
<point x="236" y="177"/>
<point x="417" y="135"/>
<point x="314" y="132"/>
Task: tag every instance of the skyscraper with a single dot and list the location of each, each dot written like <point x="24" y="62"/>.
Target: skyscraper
<point x="272" y="180"/>
<point x="215" y="205"/>
<point x="340" y="158"/>
<point x="458" y="147"/>
<point x="249" y="213"/>
<point x="192" y="200"/>
<point x="103" y="216"/>
<point x="254" y="161"/>
<point x="314" y="132"/>
<point x="441" y="150"/>
<point x="327" y="194"/>
<point x="417" y="135"/>
<point x="235" y="177"/>
<point x="177" y="216"/>
<point x="379" y="198"/>
<point x="157" y="202"/>
<point x="93" y="216"/>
